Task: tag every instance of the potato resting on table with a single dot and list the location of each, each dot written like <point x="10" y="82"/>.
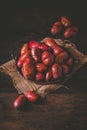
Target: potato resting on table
<point x="44" y="61"/>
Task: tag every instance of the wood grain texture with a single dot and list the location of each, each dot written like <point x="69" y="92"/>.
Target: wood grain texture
<point x="63" y="111"/>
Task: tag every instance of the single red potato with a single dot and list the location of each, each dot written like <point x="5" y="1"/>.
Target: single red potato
<point x="24" y="48"/>
<point x="20" y="102"/>
<point x="47" y="58"/>
<point x="56" y="28"/>
<point x="56" y="71"/>
<point x="70" y="31"/>
<point x="49" y="76"/>
<point x="40" y="67"/>
<point x="65" y="69"/>
<point x="39" y="76"/>
<point x="51" y="43"/>
<point x="66" y="21"/>
<point x="31" y="96"/>
<point x="61" y="57"/>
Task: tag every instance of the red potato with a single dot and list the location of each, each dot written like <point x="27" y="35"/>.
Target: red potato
<point x="33" y="44"/>
<point x="49" y="75"/>
<point x="24" y="48"/>
<point x="36" y="54"/>
<point x="44" y="47"/>
<point x="69" y="61"/>
<point x="66" y="21"/>
<point x="47" y="58"/>
<point x="28" y="61"/>
<point x="28" y="71"/>
<point x="51" y="43"/>
<point x="56" y="28"/>
<point x="56" y="71"/>
<point x="22" y="58"/>
<point x="70" y="31"/>
<point x="20" y="101"/>
<point x="39" y="76"/>
<point x="40" y="67"/>
<point x="39" y="45"/>
<point x="32" y="96"/>
<point x="65" y="69"/>
<point x="61" y="57"/>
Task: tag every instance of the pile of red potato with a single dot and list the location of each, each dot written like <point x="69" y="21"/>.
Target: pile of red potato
<point x="65" y="26"/>
<point x="45" y="61"/>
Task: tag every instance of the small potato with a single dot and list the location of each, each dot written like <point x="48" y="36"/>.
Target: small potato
<point x="70" y="31"/>
<point x="47" y="58"/>
<point x="69" y="61"/>
<point x="40" y="67"/>
<point x="36" y="54"/>
<point x="56" y="71"/>
<point x="66" y="21"/>
<point x="61" y="57"/>
<point x="19" y="102"/>
<point x="56" y="28"/>
<point x="51" y="43"/>
<point x="49" y="75"/>
<point x="22" y="58"/>
<point x="28" y="71"/>
<point x="39" y="76"/>
<point x="65" y="69"/>
<point x="24" y="48"/>
<point x="28" y="61"/>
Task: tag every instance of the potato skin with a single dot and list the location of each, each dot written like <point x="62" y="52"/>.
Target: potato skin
<point x="22" y="58"/>
<point x="36" y="54"/>
<point x="51" y="43"/>
<point x="40" y="67"/>
<point x="49" y="76"/>
<point x="61" y="57"/>
<point x="28" y="70"/>
<point x="56" y="71"/>
<point x="70" y="31"/>
<point x="47" y="58"/>
<point x="56" y="28"/>
<point x="20" y="102"/>
<point x="39" y="76"/>
<point x="25" y="48"/>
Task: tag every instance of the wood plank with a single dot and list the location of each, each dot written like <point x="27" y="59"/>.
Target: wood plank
<point x="60" y="111"/>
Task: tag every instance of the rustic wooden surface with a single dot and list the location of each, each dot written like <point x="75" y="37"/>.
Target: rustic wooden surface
<point x="63" y="109"/>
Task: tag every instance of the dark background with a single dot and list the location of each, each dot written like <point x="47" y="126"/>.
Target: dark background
<point x="24" y="18"/>
<point x="35" y="16"/>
